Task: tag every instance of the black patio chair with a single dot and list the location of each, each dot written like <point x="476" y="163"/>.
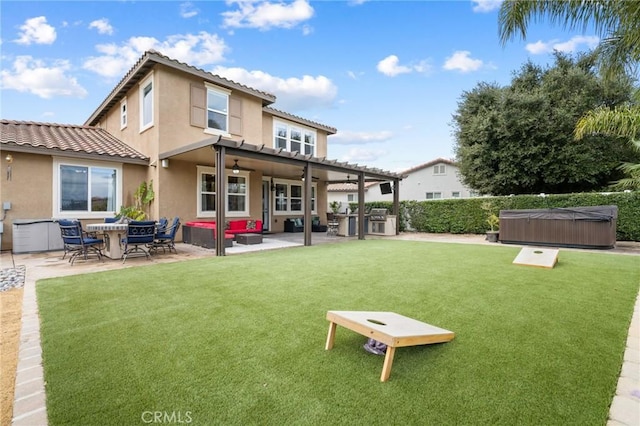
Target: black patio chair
<point x="77" y="242"/>
<point x="165" y="237"/>
<point x="140" y="235"/>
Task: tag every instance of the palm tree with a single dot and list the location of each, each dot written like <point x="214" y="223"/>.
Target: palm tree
<point x="618" y="53"/>
<point x="615" y="20"/>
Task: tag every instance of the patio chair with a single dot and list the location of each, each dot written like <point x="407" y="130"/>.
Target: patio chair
<point x="77" y="242"/>
<point x="165" y="236"/>
<point x="140" y="235"/>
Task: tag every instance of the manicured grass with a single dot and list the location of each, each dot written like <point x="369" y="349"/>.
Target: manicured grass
<point x="240" y="339"/>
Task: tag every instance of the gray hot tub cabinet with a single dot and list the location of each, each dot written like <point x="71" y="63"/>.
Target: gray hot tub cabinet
<point x="582" y="227"/>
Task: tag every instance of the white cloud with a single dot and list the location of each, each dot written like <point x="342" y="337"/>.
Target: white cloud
<point x="461" y="61"/>
<point x="292" y="94"/>
<point x="265" y="15"/>
<point x="102" y="25"/>
<point x="359" y="138"/>
<point x="34" y="76"/>
<point x="483" y="6"/>
<point x="36" y="30"/>
<point x="570" y="46"/>
<point x="362" y="156"/>
<point x="390" y="66"/>
<point x="195" y="49"/>
<point x="188" y="10"/>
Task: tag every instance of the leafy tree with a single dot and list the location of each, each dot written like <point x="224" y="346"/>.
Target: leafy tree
<point x="519" y="139"/>
<point x="619" y="51"/>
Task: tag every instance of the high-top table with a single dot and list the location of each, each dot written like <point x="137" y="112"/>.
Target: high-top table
<point x="113" y="234"/>
<point x="392" y="329"/>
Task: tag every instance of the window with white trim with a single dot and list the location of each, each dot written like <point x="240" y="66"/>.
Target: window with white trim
<point x="146" y="103"/>
<point x="217" y="110"/>
<point x="123" y="114"/>
<point x="292" y="138"/>
<point x="86" y="189"/>
<point x="237" y="193"/>
<point x="455" y="194"/>
<point x="434" y="195"/>
<point x="439" y="169"/>
<point x="352" y="198"/>
<point x="289" y="198"/>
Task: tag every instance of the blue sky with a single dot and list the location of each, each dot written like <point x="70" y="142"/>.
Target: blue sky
<point x="387" y="74"/>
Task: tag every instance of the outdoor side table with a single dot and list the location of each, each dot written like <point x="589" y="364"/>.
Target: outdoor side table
<point x="113" y="233"/>
<point x="392" y="329"/>
<point x="249" y="238"/>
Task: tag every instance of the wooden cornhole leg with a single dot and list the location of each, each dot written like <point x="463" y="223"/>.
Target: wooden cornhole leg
<point x="330" y="336"/>
<point x="388" y="361"/>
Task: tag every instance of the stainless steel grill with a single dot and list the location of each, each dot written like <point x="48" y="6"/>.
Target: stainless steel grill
<point x="378" y="215"/>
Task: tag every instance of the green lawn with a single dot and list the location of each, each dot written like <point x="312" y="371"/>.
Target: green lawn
<point x="240" y="339"/>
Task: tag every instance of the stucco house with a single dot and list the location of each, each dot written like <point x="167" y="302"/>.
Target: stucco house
<point x="170" y="123"/>
<point x="434" y="180"/>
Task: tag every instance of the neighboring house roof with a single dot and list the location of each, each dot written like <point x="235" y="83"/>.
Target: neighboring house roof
<point x="429" y="164"/>
<point x="78" y="141"/>
<point x="300" y="120"/>
<point x="147" y="62"/>
<point x="347" y="187"/>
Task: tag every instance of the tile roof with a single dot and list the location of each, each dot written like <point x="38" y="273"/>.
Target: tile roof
<point x="147" y="62"/>
<point x="66" y="138"/>
<point x="429" y="164"/>
<point x="330" y="130"/>
<point x="347" y="187"/>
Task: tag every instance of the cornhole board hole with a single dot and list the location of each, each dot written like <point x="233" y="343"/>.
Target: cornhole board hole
<point x="540" y="257"/>
<point x="392" y="329"/>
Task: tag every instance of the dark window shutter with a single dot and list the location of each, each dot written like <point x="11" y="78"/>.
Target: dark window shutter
<point x="198" y="106"/>
<point x="235" y="116"/>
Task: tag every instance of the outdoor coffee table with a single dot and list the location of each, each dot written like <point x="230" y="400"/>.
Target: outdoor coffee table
<point x="249" y="238"/>
<point x="392" y="329"/>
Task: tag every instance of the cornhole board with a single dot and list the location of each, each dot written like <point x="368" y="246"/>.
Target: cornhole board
<point x="540" y="257"/>
<point x="392" y="329"/>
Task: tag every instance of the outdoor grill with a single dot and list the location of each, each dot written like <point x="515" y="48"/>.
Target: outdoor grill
<point x="378" y="215"/>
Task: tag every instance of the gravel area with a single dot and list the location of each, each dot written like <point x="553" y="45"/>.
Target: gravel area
<point x="12" y="278"/>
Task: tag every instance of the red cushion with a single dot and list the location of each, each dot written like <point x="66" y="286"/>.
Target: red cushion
<point x="237" y="224"/>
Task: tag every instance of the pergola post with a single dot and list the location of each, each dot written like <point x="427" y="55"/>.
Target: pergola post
<point x="361" y="206"/>
<point x="220" y="199"/>
<point x="396" y="204"/>
<point x="307" y="204"/>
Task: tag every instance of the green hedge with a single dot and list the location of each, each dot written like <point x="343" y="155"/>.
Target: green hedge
<point x="466" y="216"/>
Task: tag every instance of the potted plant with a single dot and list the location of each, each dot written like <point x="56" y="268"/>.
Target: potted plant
<point x="143" y="197"/>
<point x="334" y="206"/>
<point x="493" y="221"/>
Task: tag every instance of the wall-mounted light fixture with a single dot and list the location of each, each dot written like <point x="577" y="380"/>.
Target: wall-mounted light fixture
<point x="9" y="159"/>
<point x="235" y="169"/>
<point x="273" y="186"/>
<point x="165" y="163"/>
<point x="302" y="177"/>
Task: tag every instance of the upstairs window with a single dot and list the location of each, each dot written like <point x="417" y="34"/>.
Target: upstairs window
<point x="217" y="110"/>
<point x="439" y="169"/>
<point x="146" y="103"/>
<point x="123" y="114"/>
<point x="294" y="138"/>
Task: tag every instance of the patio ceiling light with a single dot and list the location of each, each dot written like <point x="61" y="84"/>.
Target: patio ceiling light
<point x="235" y="169"/>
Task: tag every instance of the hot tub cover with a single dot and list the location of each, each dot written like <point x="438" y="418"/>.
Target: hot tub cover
<point x="591" y="213"/>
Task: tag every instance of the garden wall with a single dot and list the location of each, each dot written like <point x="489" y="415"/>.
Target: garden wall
<point x="465" y="216"/>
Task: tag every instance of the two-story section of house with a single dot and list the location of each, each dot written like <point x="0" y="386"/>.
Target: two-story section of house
<point x="208" y="144"/>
